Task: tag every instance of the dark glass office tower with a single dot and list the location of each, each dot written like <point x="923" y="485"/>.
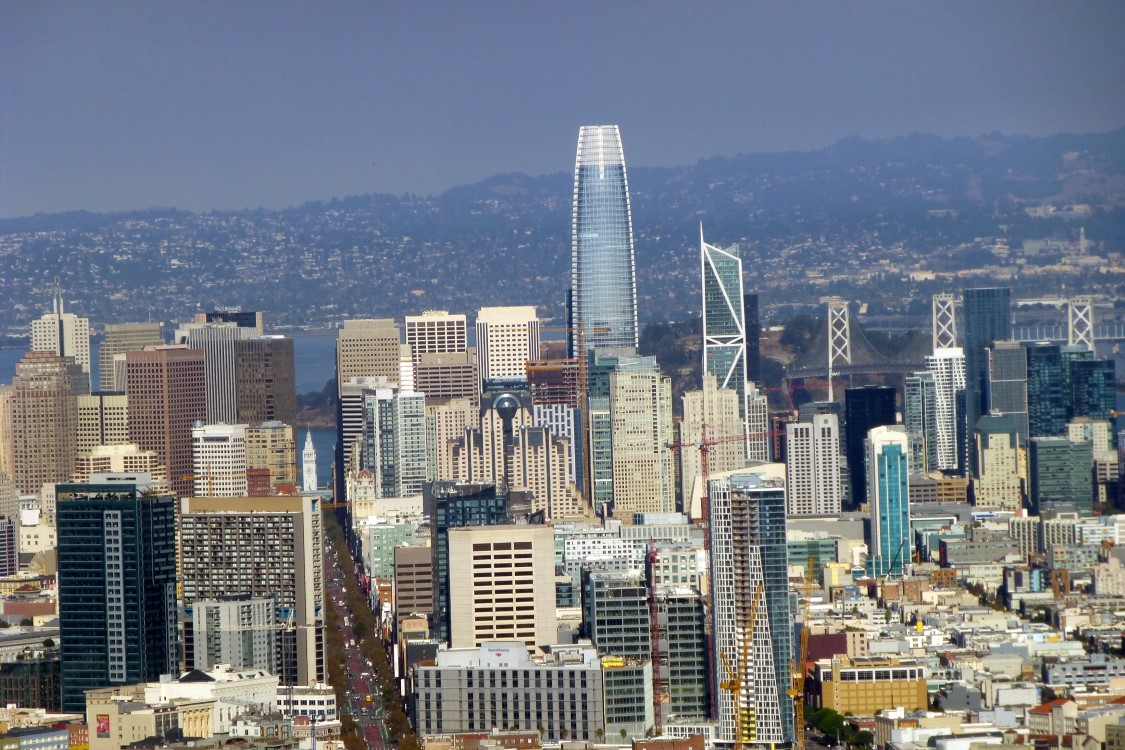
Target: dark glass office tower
<point x="1091" y="384"/>
<point x="1007" y="383"/>
<point x="864" y="408"/>
<point x="117" y="587"/>
<point x="988" y="318"/>
<point x="753" y="338"/>
<point x="451" y="505"/>
<point x="1059" y="473"/>
<point x="603" y="284"/>
<point x="1046" y="393"/>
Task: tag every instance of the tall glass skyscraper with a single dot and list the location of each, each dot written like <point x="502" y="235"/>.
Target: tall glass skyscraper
<point x="603" y="277"/>
<point x="888" y="497"/>
<point x="988" y="318"/>
<point x="724" y="319"/>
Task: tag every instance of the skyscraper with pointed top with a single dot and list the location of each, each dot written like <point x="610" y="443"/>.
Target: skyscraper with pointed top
<point x="603" y="284"/>
<point x="308" y="464"/>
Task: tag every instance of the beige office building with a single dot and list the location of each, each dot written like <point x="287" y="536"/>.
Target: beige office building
<point x="1001" y="461"/>
<point x="540" y="465"/>
<point x="271" y="457"/>
<point x="507" y="337"/>
<point x="640" y="404"/>
<point x="165" y="386"/>
<point x="43" y="420"/>
<point x="865" y="685"/>
<point x="445" y="426"/>
<point x="368" y="347"/>
<point x="261" y="546"/>
<point x="444" y="377"/>
<point x="436" y="332"/>
<point x="124" y="458"/>
<point x="718" y="409"/>
<point x="103" y="419"/>
<point x="502" y="585"/>
<point x="64" y="334"/>
<point x="6" y="392"/>
<point x="120" y="338"/>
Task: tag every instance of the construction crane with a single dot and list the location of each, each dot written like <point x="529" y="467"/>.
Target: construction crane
<point x="210" y="477"/>
<point x="735" y="678"/>
<point x="800" y="664"/>
<point x="704" y="446"/>
<point x="583" y="405"/>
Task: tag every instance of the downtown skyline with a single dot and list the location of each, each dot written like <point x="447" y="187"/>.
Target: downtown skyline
<point x="128" y="107"/>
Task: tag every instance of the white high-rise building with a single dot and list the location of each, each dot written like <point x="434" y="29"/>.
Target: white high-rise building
<point x="218" y="460"/>
<point x="63" y="333"/>
<point x="394" y="441"/>
<point x="507" y="337"/>
<point x="948" y="368"/>
<point x="757" y="424"/>
<point x="308" y="464"/>
<point x="813" y="466"/>
<point x="750" y="598"/>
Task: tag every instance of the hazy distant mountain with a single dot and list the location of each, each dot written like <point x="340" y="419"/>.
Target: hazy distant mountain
<point x="852" y="219"/>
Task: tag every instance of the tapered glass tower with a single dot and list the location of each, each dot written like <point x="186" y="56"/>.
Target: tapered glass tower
<point x="724" y="319"/>
<point x="603" y="278"/>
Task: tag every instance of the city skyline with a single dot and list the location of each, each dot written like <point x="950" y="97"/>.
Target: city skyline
<point x="291" y="103"/>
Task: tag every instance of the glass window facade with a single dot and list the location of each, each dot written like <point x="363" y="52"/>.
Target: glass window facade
<point x="603" y="273"/>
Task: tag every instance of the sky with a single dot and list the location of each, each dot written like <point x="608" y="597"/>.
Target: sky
<point x="112" y="106"/>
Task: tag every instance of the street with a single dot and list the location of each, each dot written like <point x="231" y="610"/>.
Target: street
<point x="368" y="714"/>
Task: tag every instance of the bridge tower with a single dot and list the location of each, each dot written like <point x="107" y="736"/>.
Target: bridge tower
<point x="944" y="321"/>
<point x="839" y="337"/>
<point x="1080" y="321"/>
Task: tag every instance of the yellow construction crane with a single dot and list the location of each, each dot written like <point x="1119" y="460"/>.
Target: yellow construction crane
<point x="743" y="727"/>
<point x="800" y="664"/>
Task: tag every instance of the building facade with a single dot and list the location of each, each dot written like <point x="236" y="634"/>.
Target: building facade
<point x="117" y="587"/>
<point x="751" y="622"/>
<point x="603" y="284"/>
<point x="812" y="466"/>
<point x="165" y="386"/>
<point x="119" y="338"/>
<point x="507" y="338"/>
<point x="502" y="585"/>
<point x="864" y="408"/>
<point x="888" y="494"/>
<point x="262" y="546"/>
<point x="42" y="420"/>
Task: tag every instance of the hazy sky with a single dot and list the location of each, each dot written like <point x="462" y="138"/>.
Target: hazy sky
<point x="199" y="105"/>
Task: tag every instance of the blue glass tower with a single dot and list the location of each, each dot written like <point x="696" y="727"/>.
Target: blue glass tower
<point x="888" y="495"/>
<point x="603" y="283"/>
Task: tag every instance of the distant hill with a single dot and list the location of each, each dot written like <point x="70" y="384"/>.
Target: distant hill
<point x="852" y="219"/>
